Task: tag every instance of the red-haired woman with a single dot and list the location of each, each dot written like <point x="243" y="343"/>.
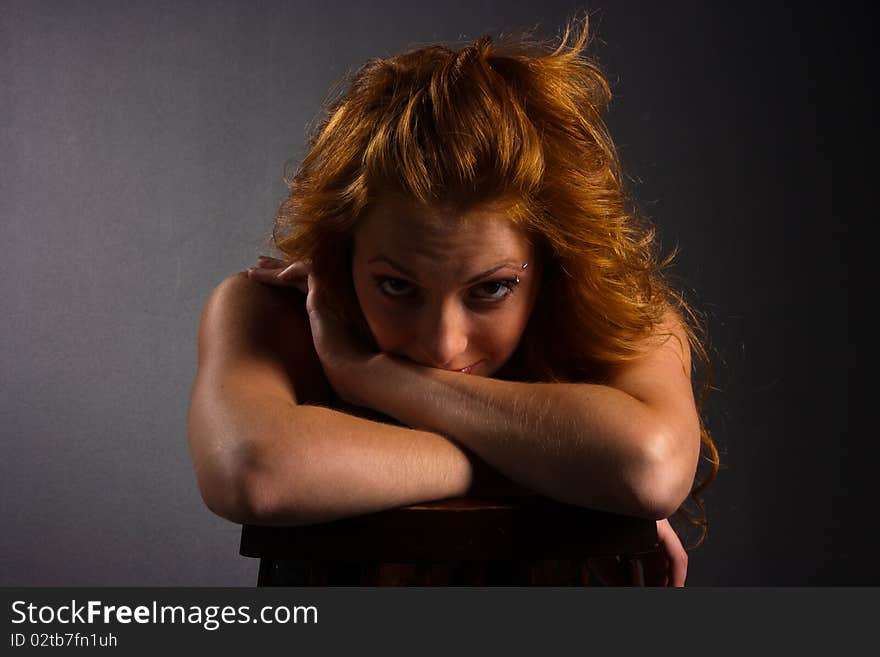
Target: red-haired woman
<point x="478" y="290"/>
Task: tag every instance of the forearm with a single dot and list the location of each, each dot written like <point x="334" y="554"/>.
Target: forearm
<point x="589" y="445"/>
<point x="313" y="464"/>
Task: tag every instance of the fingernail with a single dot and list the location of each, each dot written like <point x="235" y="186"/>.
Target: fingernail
<point x="284" y="272"/>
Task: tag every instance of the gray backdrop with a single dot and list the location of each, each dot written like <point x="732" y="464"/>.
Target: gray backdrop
<point x="142" y="147"/>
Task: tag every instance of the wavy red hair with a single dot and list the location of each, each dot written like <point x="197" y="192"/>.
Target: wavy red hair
<point x="516" y="120"/>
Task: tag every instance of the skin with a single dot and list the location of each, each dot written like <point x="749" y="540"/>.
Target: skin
<point x="433" y="313"/>
<point x="417" y="275"/>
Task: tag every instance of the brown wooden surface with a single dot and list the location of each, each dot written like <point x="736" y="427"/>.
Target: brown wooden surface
<point x="282" y="572"/>
<point x="525" y="529"/>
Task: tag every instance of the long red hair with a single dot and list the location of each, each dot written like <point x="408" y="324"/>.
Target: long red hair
<point x="518" y="120"/>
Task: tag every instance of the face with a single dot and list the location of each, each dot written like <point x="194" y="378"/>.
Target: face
<point x="439" y="287"/>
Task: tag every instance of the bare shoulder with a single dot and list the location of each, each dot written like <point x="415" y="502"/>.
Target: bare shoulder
<point x="661" y="374"/>
<point x="251" y="329"/>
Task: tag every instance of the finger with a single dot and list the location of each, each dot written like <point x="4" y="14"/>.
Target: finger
<point x="295" y="271"/>
<point x="298" y="275"/>
<point x="678" y="570"/>
<point x="270" y="277"/>
<point x="266" y="261"/>
<point x="314" y="302"/>
<point x="317" y="304"/>
<point x="675" y="553"/>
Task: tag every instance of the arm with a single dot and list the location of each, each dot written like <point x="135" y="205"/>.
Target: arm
<point x="312" y="464"/>
<point x="629" y="446"/>
<point x="264" y="454"/>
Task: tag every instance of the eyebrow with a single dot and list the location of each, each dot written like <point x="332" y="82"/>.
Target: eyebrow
<point x="407" y="272"/>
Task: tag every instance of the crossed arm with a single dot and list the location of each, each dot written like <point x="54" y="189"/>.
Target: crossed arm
<point x="266" y="450"/>
<point x="597" y="446"/>
<point x="628" y="446"/>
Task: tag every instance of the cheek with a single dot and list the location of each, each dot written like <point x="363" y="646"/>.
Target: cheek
<point x="500" y="332"/>
<point x="498" y="337"/>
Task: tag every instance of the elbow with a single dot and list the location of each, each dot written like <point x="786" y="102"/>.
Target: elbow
<point x="251" y="495"/>
<point x="247" y="494"/>
<point x="233" y="471"/>
<point x="241" y="500"/>
<point x="664" y="481"/>
<point x="658" y="503"/>
<point x="229" y="497"/>
<point x="227" y="484"/>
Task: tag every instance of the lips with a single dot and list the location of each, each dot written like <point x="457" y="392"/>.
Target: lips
<point x="469" y="368"/>
<point x="464" y="370"/>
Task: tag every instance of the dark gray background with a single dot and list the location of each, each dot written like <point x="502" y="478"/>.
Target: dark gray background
<point x="141" y="158"/>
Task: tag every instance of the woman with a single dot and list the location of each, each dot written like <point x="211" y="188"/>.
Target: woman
<point x="478" y="291"/>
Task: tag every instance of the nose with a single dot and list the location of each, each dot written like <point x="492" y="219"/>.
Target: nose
<point x="442" y="337"/>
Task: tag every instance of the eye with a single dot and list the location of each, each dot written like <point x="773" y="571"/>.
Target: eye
<point x="490" y="291"/>
<point x="393" y="287"/>
<point x="495" y="290"/>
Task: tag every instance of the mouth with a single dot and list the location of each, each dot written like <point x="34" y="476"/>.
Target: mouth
<point x="469" y="368"/>
<point x="464" y="370"/>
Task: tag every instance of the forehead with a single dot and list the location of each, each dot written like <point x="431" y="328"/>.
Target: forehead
<point x="438" y="232"/>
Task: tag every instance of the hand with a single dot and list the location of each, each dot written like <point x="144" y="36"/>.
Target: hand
<point x="273" y="271"/>
<point x="666" y="566"/>
<point x="343" y="358"/>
